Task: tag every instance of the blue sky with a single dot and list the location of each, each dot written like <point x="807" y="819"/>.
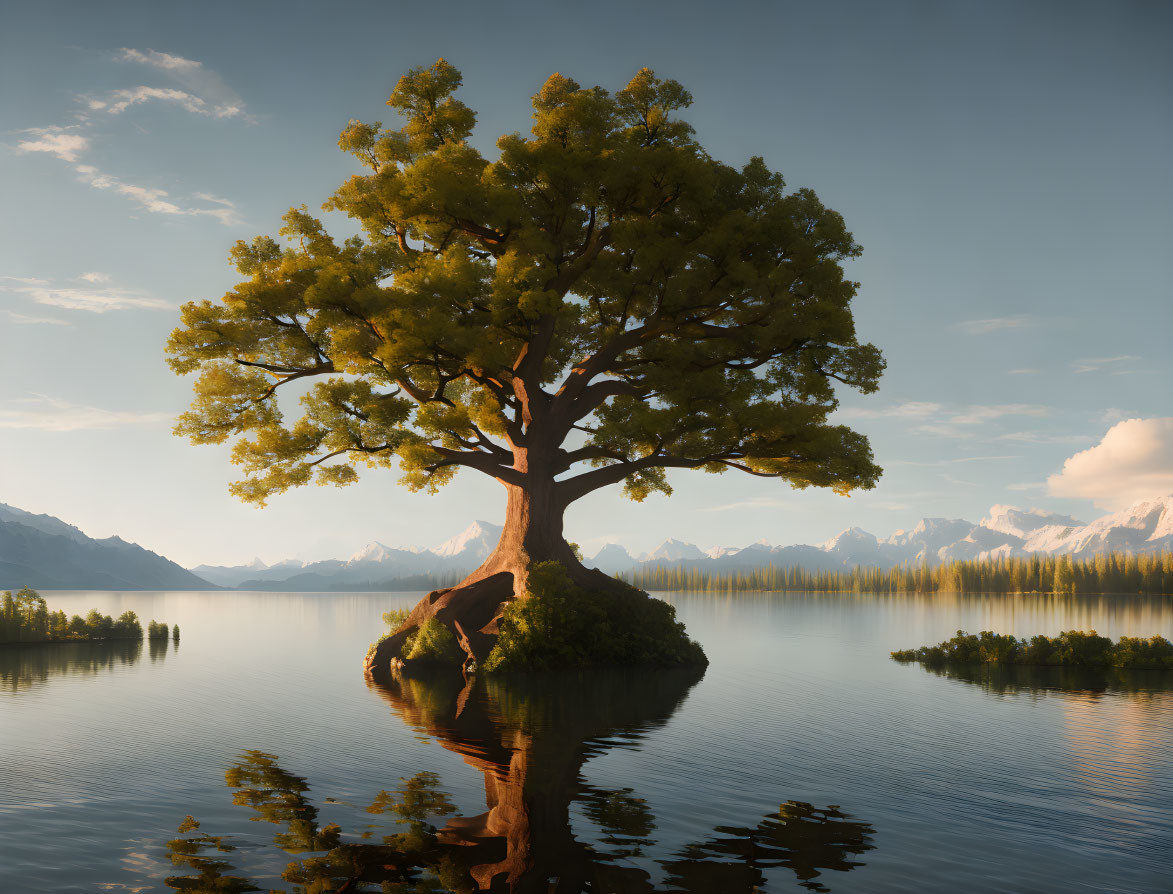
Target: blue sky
<point x="1006" y="167"/>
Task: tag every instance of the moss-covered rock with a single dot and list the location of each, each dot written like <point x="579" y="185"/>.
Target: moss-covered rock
<point x="560" y="625"/>
<point x="432" y="643"/>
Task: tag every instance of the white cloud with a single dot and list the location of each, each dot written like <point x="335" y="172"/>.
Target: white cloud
<point x="997" y="324"/>
<point x="1042" y="437"/>
<point x="1025" y="371"/>
<point x="751" y="503"/>
<point x="58" y="141"/>
<point x="928" y="418"/>
<point x="1027" y="485"/>
<point x="121" y="100"/>
<point x="50" y="414"/>
<point x="95" y="277"/>
<point x="1105" y="364"/>
<point x="1115" y="414"/>
<point x="158" y="201"/>
<point x="164" y="61"/>
<point x="977" y="413"/>
<point x="1134" y="461"/>
<point x="205" y="92"/>
<point x="947" y="462"/>
<point x="96" y="299"/>
<point x="25" y="320"/>
<point x="910" y="409"/>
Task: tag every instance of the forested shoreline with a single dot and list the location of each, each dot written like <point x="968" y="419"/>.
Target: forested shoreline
<point x="25" y="618"/>
<point x="1071" y="648"/>
<point x="1108" y="573"/>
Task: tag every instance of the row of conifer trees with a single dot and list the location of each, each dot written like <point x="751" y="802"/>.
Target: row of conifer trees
<point x="25" y="618"/>
<point x="1106" y="573"/>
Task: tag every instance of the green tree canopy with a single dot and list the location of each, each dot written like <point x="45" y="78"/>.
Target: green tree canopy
<point x="600" y="302"/>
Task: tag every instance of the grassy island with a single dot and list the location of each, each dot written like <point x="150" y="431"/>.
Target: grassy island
<point x="557" y="625"/>
<point x="25" y="618"/>
<point x="1072" y="648"/>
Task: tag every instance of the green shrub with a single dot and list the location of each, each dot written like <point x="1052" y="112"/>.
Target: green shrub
<point x="560" y="625"/>
<point x="1072" y="648"/>
<point x="432" y="642"/>
<point x="394" y="619"/>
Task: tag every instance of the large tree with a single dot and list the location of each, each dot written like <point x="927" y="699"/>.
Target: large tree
<point x="600" y="303"/>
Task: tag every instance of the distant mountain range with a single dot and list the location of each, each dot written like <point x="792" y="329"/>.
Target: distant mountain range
<point x="374" y="567"/>
<point x="1146" y="526"/>
<point x="44" y="552"/>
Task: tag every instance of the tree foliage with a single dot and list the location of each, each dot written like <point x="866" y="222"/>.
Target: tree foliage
<point x="1106" y="573"/>
<point x="1075" y="648"/>
<point x="603" y="297"/>
<point x="25" y="618"/>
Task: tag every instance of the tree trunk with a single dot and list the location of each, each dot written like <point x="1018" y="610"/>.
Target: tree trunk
<point x="471" y="610"/>
<point x="532" y="533"/>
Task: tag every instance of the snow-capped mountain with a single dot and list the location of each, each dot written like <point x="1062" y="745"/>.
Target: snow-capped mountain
<point x="1005" y="531"/>
<point x="374" y="566"/>
<point x="1009" y="520"/>
<point x="673" y="551"/>
<point x="474" y="542"/>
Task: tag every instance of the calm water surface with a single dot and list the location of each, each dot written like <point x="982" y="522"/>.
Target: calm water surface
<point x="803" y="759"/>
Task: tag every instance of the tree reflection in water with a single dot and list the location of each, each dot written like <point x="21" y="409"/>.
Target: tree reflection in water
<point x="999" y="679"/>
<point x="25" y="666"/>
<point x="530" y="738"/>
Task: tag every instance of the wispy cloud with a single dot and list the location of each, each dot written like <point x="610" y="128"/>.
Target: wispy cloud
<point x="1112" y="365"/>
<point x="119" y="101"/>
<point x="1115" y="414"/>
<point x="205" y="92"/>
<point x="952" y="461"/>
<point x="63" y="142"/>
<point x="43" y="413"/>
<point x="1027" y="485"/>
<point x="158" y="201"/>
<point x="162" y="61"/>
<point x="977" y="413"/>
<point x="1042" y="437"/>
<point x="95" y="277"/>
<point x="93" y="299"/>
<point x="25" y="320"/>
<point x="1025" y="371"/>
<point x="751" y="503"/>
<point x="997" y="324"/>
<point x="908" y="410"/>
<point x="936" y="419"/>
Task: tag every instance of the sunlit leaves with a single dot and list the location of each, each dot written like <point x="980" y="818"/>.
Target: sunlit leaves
<point x="605" y="243"/>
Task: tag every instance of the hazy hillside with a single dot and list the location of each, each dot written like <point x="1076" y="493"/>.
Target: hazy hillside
<point x="43" y="552"/>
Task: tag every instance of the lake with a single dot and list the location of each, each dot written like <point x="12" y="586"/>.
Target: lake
<point x="802" y="759"/>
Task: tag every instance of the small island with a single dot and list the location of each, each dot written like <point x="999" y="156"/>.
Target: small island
<point x="25" y="618"/>
<point x="1071" y="648"/>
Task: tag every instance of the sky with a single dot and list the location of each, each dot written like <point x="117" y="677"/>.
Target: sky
<point x="1007" y="168"/>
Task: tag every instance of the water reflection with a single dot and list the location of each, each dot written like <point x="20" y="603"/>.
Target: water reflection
<point x="530" y="739"/>
<point x="1072" y="682"/>
<point x="26" y="666"/>
<point x="800" y="837"/>
<point x="158" y="648"/>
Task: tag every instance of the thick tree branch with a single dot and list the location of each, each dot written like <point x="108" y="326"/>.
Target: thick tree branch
<point x="482" y="462"/>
